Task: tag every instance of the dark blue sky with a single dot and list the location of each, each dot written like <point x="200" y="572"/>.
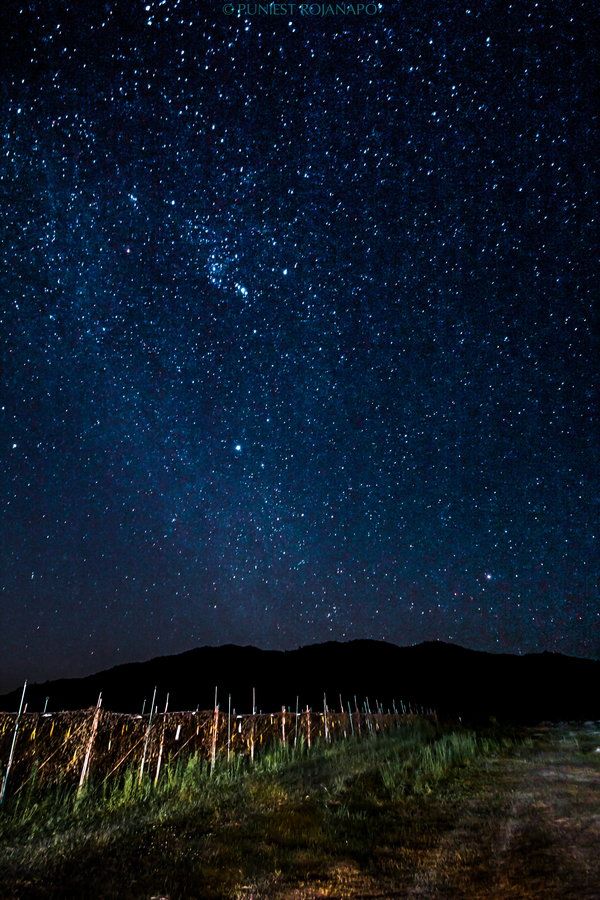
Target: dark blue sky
<point x="296" y="333"/>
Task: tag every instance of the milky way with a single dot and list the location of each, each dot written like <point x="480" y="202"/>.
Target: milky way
<point x="296" y="333"/>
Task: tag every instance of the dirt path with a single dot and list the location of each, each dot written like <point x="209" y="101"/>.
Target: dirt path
<point x="525" y="827"/>
<point x="533" y="830"/>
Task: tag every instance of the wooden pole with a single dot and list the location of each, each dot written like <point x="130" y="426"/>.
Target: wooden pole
<point x="147" y="737"/>
<point x="253" y="725"/>
<point x="296" y="729"/>
<point x="357" y="716"/>
<point x="343" y="714"/>
<point x="325" y="728"/>
<point x="367" y="717"/>
<point x="213" y="752"/>
<point x="90" y="744"/>
<point x="229" y="728"/>
<point x="350" y="717"/>
<point x="45" y="706"/>
<point x="283" y="724"/>
<point x="162" y="742"/>
<point x="12" y="747"/>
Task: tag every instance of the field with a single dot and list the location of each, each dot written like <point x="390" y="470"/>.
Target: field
<point x="422" y="811"/>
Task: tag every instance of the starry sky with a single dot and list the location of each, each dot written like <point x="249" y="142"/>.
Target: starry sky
<point x="296" y="329"/>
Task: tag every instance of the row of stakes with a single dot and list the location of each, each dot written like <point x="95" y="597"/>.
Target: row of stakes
<point x="405" y="709"/>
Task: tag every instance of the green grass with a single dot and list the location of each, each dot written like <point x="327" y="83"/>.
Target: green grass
<point x="418" y="772"/>
<point x="205" y="833"/>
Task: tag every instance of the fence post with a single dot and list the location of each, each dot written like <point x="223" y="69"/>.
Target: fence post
<point x="162" y="742"/>
<point x="343" y="714"/>
<point x="88" y="752"/>
<point x="12" y="747"/>
<point x="229" y="728"/>
<point x="367" y="718"/>
<point x="358" y="728"/>
<point x="147" y="738"/>
<point x="325" y="728"/>
<point x="213" y="751"/>
<point x="253" y="725"/>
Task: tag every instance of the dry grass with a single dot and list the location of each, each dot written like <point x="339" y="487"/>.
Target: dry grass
<point x="51" y="748"/>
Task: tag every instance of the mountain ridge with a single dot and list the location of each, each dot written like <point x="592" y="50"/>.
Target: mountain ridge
<point x="455" y="680"/>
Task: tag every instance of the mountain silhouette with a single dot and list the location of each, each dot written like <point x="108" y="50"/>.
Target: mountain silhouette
<point x="453" y="680"/>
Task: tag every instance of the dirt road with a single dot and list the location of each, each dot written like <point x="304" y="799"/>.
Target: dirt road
<point x="520" y="827"/>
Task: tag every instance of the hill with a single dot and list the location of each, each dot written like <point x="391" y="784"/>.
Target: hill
<point x="454" y="680"/>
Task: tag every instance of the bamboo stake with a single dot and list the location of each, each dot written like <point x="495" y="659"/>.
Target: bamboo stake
<point x="283" y="724"/>
<point x="308" y="727"/>
<point x="229" y="728"/>
<point x="213" y="752"/>
<point x="253" y="725"/>
<point x="343" y="716"/>
<point x="45" y="706"/>
<point x="326" y="729"/>
<point x="12" y="747"/>
<point x="296" y="729"/>
<point x="357" y="716"/>
<point x="147" y="737"/>
<point x="350" y="717"/>
<point x="367" y="717"/>
<point x="379" y="709"/>
<point x="88" y="752"/>
<point x="162" y="742"/>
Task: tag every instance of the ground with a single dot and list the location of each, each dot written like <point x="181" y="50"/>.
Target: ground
<point x="517" y="822"/>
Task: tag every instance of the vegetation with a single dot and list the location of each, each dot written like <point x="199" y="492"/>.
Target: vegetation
<point x="292" y="816"/>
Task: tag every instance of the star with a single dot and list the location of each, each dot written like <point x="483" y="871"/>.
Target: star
<point x="378" y="273"/>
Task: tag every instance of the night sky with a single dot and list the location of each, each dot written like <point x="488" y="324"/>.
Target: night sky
<point x="296" y="329"/>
